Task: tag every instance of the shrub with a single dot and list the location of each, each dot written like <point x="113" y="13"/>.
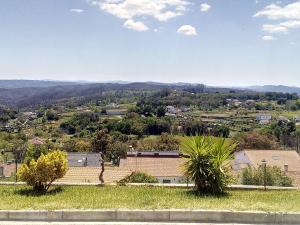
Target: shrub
<point x="208" y="162"/>
<point x="256" y="140"/>
<point x="41" y="173"/>
<point x="138" y="177"/>
<point x="274" y="176"/>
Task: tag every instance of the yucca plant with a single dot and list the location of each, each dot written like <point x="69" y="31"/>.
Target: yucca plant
<point x="208" y="162"/>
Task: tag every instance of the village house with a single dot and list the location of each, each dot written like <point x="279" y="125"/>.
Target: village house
<point x="165" y="166"/>
<point x="264" y="118"/>
<point x="287" y="161"/>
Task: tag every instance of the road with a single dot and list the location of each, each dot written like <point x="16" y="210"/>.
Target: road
<point x="106" y="223"/>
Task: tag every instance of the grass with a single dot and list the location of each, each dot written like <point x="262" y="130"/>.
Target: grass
<point x="93" y="197"/>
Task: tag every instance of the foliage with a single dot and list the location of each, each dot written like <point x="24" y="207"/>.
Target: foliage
<point x="34" y="152"/>
<point x="274" y="176"/>
<point x="207" y="162"/>
<point x="41" y="173"/>
<point x="51" y="115"/>
<point x="77" y="145"/>
<point x="167" y="142"/>
<point x="194" y="127"/>
<point x="138" y="177"/>
<point x="102" y="141"/>
<point x="81" y="121"/>
<point x="256" y="140"/>
<point x="117" y="150"/>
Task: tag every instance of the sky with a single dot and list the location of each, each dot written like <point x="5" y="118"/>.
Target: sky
<point x="215" y="42"/>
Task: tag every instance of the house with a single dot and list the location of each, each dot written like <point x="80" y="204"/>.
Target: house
<point x="37" y="141"/>
<point x="284" y="159"/>
<point x="165" y="166"/>
<point x="171" y="109"/>
<point x="264" y="118"/>
<point x="76" y="159"/>
<point x="7" y="169"/>
<point x="288" y="161"/>
<point x="30" y="115"/>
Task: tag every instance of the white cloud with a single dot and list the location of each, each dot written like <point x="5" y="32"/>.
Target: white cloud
<point x="291" y="24"/>
<point x="187" y="30"/>
<point x="276" y="12"/>
<point x="274" y="29"/>
<point x="77" y="10"/>
<point x="135" y="25"/>
<point x="268" y="38"/>
<point x="288" y="17"/>
<point x="205" y="7"/>
<point x="161" y="10"/>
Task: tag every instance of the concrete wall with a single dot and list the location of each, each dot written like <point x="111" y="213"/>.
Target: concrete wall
<point x="171" y="216"/>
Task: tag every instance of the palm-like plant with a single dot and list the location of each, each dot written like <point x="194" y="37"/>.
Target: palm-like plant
<point x="207" y="162"/>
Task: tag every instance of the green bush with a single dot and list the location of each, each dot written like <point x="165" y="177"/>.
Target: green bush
<point x="138" y="177"/>
<point x="274" y="176"/>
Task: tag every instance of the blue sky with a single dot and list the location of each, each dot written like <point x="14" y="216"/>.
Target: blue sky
<point x="216" y="42"/>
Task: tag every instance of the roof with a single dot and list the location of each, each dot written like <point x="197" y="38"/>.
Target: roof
<point x="153" y="154"/>
<point x="79" y="159"/>
<point x="37" y="141"/>
<point x="274" y="158"/>
<point x="157" y="167"/>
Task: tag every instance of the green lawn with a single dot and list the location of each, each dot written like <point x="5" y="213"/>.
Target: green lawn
<point x="92" y="197"/>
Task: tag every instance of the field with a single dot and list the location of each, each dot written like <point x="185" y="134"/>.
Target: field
<point x="92" y="197"/>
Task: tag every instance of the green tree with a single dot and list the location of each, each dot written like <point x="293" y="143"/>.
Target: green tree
<point x="102" y="141"/>
<point x="161" y="111"/>
<point x="208" y="162"/>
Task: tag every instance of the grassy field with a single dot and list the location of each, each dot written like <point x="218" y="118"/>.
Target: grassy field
<point x="92" y="197"/>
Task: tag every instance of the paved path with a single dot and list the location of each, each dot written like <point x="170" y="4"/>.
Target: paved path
<point x="107" y="223"/>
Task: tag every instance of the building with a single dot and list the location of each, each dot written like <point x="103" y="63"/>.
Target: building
<point x="165" y="166"/>
<point x="7" y="169"/>
<point x="83" y="159"/>
<point x="36" y="141"/>
<point x="287" y="161"/>
<point x="264" y="118"/>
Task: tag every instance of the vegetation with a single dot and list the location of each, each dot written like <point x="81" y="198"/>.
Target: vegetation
<point x="138" y="177"/>
<point x="273" y="176"/>
<point x="207" y="163"/>
<point x="120" y="197"/>
<point x="41" y="173"/>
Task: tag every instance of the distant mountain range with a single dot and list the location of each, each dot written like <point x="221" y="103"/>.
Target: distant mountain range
<point x="23" y="93"/>
<point x="12" y="84"/>
<point x="275" y="88"/>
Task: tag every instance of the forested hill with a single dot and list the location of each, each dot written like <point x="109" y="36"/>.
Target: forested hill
<point x="275" y="88"/>
<point x="28" y="96"/>
<point x="12" y="84"/>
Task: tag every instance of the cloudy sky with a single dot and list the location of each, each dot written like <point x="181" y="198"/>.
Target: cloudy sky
<point x="216" y="42"/>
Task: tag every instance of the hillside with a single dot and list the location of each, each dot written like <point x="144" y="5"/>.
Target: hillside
<point x="275" y="88"/>
<point x="28" y="96"/>
<point x="12" y="84"/>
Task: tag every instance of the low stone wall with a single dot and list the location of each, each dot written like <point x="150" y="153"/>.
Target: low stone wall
<point x="201" y="216"/>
